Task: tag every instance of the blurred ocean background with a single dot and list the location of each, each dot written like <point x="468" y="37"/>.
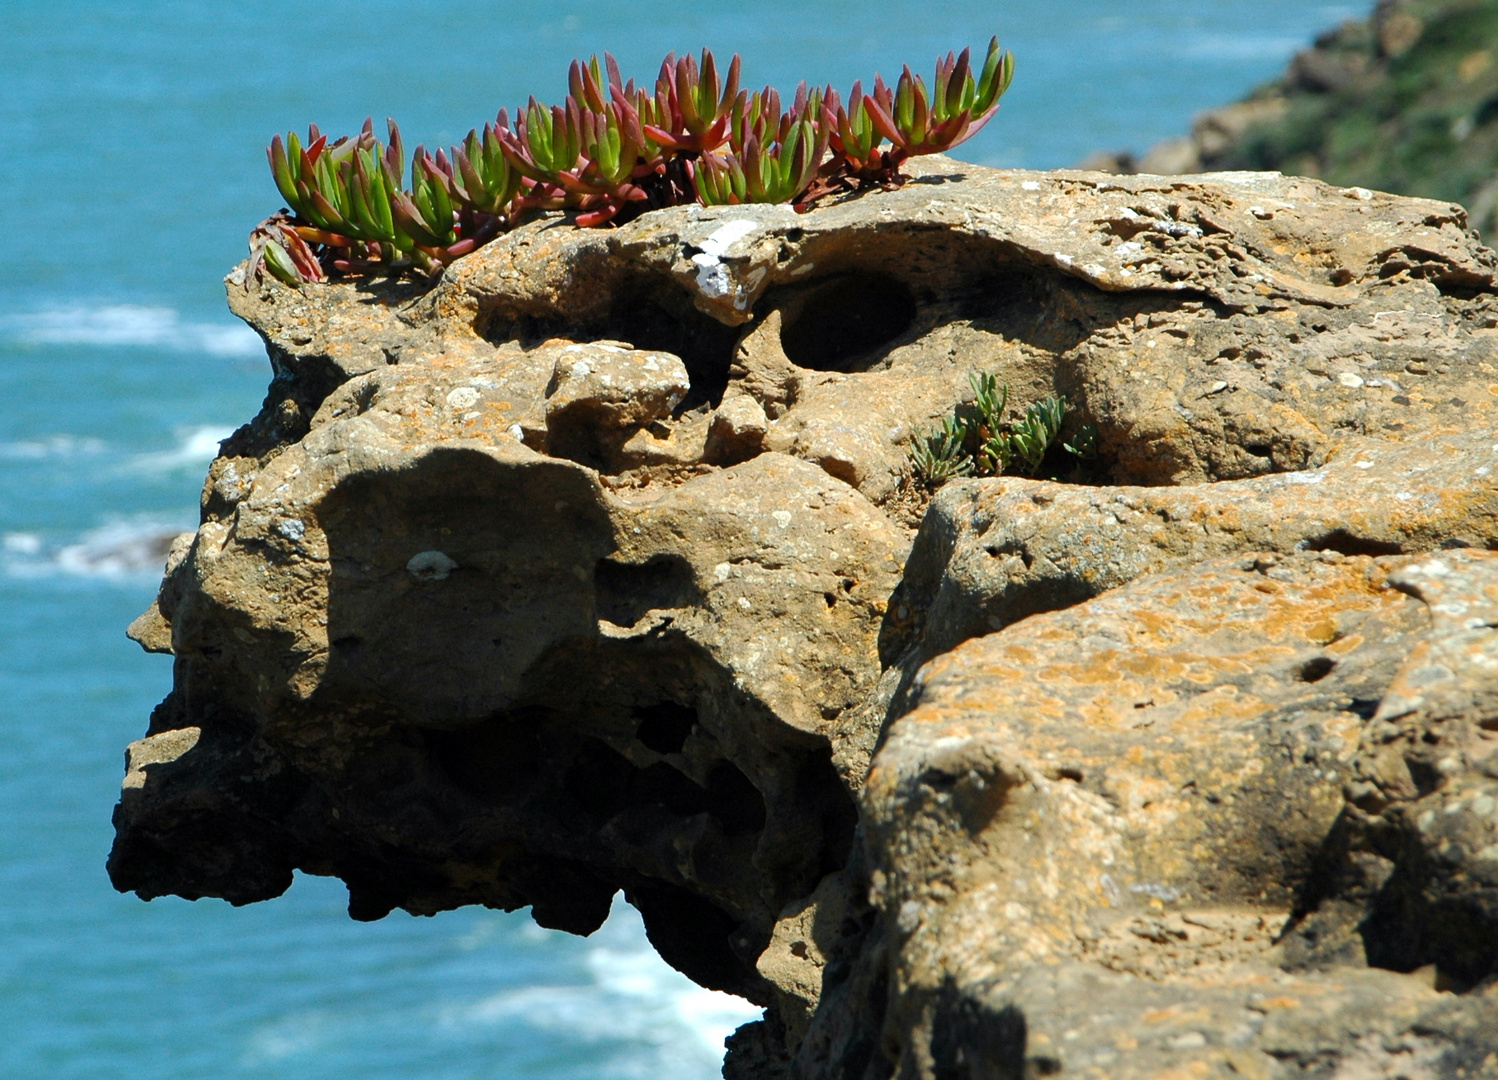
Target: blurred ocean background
<point x="132" y="153"/>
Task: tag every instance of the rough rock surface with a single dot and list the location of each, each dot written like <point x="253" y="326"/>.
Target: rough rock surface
<point x="1123" y="826"/>
<point x="595" y="567"/>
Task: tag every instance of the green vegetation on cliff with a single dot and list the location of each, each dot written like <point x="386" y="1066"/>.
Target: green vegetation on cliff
<point x="1404" y="101"/>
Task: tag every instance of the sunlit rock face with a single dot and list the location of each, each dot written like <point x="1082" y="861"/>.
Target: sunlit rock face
<point x="597" y="565"/>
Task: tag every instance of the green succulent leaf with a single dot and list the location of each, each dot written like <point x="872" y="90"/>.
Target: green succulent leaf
<point x="1083" y="444"/>
<point x="1033" y="435"/>
<point x="989" y="398"/>
<point x="280" y="169"/>
<point x="994" y="80"/>
<point x="997" y="454"/>
<point x="719" y="180"/>
<point x="279" y="263"/>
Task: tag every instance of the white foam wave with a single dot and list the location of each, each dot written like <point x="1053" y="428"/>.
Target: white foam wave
<point x="117" y="550"/>
<point x="621" y="1010"/>
<point x="132" y="324"/>
<point x="289" y="1037"/>
<point x="633" y="997"/>
<point x="52" y="446"/>
<point x="23" y="543"/>
<point x="195" y="448"/>
<point x="670" y="1025"/>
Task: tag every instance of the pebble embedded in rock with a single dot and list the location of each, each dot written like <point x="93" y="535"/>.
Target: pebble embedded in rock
<point x="431" y="566"/>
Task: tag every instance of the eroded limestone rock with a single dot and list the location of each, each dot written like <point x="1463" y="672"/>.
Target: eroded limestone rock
<point x="1115" y="837"/>
<point x="593" y="567"/>
<point x="995" y="551"/>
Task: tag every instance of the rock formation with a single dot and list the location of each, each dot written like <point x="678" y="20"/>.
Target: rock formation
<point x="596" y="566"/>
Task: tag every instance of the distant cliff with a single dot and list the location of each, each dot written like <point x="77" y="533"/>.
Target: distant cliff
<point x="1404" y="101"/>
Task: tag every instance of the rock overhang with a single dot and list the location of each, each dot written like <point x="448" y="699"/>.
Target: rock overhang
<point x="466" y="623"/>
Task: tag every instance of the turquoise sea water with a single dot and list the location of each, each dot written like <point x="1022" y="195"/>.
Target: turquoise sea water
<point x="131" y="165"/>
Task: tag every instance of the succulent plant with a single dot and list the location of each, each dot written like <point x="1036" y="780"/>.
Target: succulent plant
<point x="1032" y="436"/>
<point x="855" y="138"/>
<point x="1083" y="444"/>
<point x="693" y="109"/>
<point x="348" y="201"/>
<point x="484" y="180"/>
<point x="989" y="398"/>
<point x="918" y="122"/>
<point x="276" y="248"/>
<point x="984" y="443"/>
<point x="778" y="160"/>
<point x="938" y="456"/>
<point x="611" y="150"/>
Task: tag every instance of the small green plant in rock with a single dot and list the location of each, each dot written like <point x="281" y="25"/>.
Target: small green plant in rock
<point x="1032" y="436"/>
<point x="938" y="456"/>
<point x="989" y="398"/>
<point x="986" y="444"/>
<point x="1084" y="444"/>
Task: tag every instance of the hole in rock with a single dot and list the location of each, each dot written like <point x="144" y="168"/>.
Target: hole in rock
<point x="649" y="312"/>
<point x="624" y="592"/>
<point x="819" y="788"/>
<point x="1426" y="776"/>
<point x="1459" y="288"/>
<point x="664" y="727"/>
<point x="837" y="323"/>
<point x="662" y="318"/>
<point x="1040" y="310"/>
<point x="499" y="759"/>
<point x="1345" y="543"/>
<point x="661" y="785"/>
<point x="581" y="443"/>
<point x="1316" y="669"/>
<point x="939" y="780"/>
<point x="734" y="800"/>
<point x="598" y="780"/>
<point x="1406" y="931"/>
<point x="604" y="783"/>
